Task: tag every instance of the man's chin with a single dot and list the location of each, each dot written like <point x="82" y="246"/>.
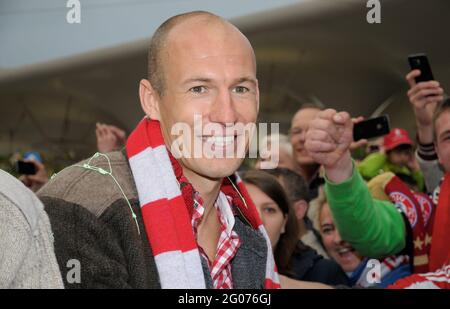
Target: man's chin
<point x="218" y="168"/>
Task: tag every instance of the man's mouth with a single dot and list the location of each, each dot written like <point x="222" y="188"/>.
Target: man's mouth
<point x="300" y="150"/>
<point x="219" y="141"/>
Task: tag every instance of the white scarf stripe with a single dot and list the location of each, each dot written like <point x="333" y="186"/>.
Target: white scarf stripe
<point x="143" y="166"/>
<point x="176" y="269"/>
<point x="270" y="266"/>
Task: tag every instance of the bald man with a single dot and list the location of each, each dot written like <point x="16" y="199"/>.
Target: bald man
<point x="162" y="215"/>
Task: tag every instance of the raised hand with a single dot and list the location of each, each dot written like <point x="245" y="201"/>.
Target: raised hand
<point x="424" y="98"/>
<point x="109" y="138"/>
<point x="36" y="181"/>
<point x="328" y="141"/>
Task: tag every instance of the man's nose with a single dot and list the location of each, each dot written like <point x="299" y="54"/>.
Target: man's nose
<point x="223" y="109"/>
<point x="302" y="135"/>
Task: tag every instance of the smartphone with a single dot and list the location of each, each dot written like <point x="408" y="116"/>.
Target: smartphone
<point x="25" y="168"/>
<point x="420" y="62"/>
<point x="371" y="128"/>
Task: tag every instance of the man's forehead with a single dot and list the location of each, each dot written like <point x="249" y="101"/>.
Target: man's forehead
<point x="197" y="53"/>
<point x="205" y="31"/>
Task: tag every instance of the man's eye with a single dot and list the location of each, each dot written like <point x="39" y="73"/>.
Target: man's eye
<point x="198" y="89"/>
<point x="241" y="89"/>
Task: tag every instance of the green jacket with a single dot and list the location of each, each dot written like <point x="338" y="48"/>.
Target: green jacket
<point x="373" y="227"/>
<point x="377" y="163"/>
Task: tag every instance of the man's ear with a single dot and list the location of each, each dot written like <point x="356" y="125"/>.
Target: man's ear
<point x="149" y="100"/>
<point x="300" y="209"/>
<point x="257" y="96"/>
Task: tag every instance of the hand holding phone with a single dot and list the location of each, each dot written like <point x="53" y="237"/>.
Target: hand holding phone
<point x="420" y="62"/>
<point x="371" y="128"/>
<point x="33" y="174"/>
<point x="25" y="168"/>
<point x="424" y="94"/>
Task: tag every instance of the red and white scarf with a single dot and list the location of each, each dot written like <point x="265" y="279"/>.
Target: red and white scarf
<point x="440" y="246"/>
<point x="166" y="217"/>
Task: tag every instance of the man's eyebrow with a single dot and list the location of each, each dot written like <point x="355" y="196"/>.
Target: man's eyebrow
<point x="210" y="80"/>
<point x="197" y="79"/>
<point x="246" y="79"/>
<point x="446" y="132"/>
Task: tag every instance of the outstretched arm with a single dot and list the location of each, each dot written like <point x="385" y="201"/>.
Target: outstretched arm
<point x="375" y="228"/>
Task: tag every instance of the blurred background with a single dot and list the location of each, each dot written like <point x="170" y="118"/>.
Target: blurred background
<point x="58" y="79"/>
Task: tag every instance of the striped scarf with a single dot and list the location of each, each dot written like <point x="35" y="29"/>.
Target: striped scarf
<point x="166" y="216"/>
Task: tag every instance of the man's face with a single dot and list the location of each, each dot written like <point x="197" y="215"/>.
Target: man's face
<point x="442" y="127"/>
<point x="210" y="73"/>
<point x="401" y="156"/>
<point x="299" y="126"/>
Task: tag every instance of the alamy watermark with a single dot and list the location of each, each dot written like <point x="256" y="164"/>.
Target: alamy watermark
<point x="374" y="14"/>
<point x="373" y="276"/>
<point x="74" y="271"/>
<point x="73" y="16"/>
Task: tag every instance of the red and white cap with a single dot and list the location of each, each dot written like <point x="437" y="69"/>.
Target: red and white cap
<point x="396" y="138"/>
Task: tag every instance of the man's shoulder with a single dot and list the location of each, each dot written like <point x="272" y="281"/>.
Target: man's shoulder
<point x="14" y="193"/>
<point x="94" y="183"/>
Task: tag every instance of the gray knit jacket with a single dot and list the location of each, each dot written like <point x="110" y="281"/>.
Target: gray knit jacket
<point x="93" y="225"/>
<point x="27" y="257"/>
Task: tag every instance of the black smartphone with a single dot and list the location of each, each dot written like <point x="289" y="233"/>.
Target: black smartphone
<point x="420" y="62"/>
<point x="25" y="168"/>
<point x="371" y="128"/>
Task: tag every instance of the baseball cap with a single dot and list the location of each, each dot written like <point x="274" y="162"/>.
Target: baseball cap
<point x="396" y="138"/>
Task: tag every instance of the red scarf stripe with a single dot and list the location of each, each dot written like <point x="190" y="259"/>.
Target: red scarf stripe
<point x="249" y="210"/>
<point x="440" y="246"/>
<point x="269" y="284"/>
<point x="141" y="140"/>
<point x="160" y="213"/>
<point x="182" y="221"/>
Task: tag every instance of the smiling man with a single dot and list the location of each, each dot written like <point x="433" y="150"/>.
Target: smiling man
<point x="150" y="219"/>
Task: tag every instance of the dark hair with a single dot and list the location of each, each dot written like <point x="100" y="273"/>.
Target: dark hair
<point x="288" y="243"/>
<point x="294" y="184"/>
<point x="401" y="148"/>
<point x="157" y="44"/>
<point x="441" y="108"/>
